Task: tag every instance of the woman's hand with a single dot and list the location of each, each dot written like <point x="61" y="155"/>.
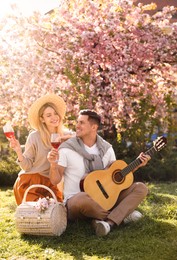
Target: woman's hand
<point x="68" y="135"/>
<point x="53" y="156"/>
<point x="15" y="145"/>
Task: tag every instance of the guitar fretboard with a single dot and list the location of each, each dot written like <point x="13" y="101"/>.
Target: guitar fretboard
<point x="136" y="163"/>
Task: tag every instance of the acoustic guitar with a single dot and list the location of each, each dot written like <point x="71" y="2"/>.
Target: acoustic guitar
<point x="104" y="186"/>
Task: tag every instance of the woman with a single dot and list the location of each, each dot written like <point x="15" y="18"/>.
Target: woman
<point x="45" y="116"/>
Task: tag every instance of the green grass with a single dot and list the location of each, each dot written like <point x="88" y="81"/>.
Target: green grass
<point x="152" y="238"/>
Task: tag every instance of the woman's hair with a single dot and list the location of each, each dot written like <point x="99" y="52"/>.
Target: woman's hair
<point x="43" y="131"/>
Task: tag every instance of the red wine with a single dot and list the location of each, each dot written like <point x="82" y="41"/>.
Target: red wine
<point x="9" y="134"/>
<point x="55" y="144"/>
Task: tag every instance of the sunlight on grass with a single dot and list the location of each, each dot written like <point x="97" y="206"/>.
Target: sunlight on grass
<point x="153" y="237"/>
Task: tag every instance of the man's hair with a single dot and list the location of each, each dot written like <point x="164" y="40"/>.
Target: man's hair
<point x="92" y="116"/>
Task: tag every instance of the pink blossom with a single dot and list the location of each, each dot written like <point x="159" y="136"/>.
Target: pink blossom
<point x="113" y="57"/>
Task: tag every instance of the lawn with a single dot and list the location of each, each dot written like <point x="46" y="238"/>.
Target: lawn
<point x="152" y="238"/>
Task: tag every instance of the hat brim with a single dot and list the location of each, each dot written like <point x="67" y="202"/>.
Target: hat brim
<point x="49" y="98"/>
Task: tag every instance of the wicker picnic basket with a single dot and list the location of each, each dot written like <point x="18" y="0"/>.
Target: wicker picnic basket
<point x="50" y="222"/>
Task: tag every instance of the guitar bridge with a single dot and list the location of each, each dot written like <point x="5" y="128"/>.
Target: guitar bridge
<point x="102" y="189"/>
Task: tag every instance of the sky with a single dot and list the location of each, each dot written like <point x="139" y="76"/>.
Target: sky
<point x="27" y="7"/>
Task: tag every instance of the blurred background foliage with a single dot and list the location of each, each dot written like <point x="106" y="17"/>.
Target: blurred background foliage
<point x="162" y="167"/>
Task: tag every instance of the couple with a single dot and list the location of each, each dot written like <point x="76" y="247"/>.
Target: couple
<point x="76" y="157"/>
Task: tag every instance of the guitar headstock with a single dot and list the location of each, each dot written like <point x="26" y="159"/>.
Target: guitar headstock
<point x="160" y="143"/>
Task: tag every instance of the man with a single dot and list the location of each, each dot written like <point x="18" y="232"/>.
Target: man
<point x="83" y="154"/>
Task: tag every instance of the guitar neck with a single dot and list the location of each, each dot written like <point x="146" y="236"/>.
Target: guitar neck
<point x="136" y="162"/>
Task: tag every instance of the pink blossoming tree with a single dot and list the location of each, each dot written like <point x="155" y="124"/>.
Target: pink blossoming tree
<point x="110" y="56"/>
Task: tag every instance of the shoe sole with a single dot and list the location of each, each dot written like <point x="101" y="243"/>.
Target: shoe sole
<point x="100" y="230"/>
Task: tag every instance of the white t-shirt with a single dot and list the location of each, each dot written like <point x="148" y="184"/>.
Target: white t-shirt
<point x="75" y="168"/>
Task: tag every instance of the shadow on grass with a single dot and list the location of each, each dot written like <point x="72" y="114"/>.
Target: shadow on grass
<point x="152" y="238"/>
<point x="147" y="239"/>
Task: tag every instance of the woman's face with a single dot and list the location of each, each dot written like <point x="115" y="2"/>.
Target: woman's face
<point x="51" y="119"/>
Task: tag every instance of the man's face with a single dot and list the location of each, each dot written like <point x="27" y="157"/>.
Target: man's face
<point x="83" y="126"/>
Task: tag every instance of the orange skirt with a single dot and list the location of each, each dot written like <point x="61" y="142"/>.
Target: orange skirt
<point x="25" y="180"/>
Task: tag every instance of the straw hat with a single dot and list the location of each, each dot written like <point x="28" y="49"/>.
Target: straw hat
<point x="49" y="98"/>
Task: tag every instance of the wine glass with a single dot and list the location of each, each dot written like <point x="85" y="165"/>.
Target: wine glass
<point x="55" y="140"/>
<point x="8" y="130"/>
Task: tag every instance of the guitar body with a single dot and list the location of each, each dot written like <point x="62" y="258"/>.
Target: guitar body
<point x="104" y="186"/>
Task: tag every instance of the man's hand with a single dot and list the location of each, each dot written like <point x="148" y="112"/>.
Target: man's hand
<point x="144" y="159"/>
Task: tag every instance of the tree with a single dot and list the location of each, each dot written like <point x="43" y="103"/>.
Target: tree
<point x="107" y="55"/>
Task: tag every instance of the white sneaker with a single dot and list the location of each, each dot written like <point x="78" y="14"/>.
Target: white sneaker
<point x="133" y="217"/>
<point x="102" y="228"/>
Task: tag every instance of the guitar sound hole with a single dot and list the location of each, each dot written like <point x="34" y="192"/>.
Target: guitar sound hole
<point x="117" y="177"/>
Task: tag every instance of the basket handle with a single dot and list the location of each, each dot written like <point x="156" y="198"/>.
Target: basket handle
<point x="38" y="186"/>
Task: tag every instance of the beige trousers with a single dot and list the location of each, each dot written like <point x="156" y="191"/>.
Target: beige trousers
<point x="81" y="206"/>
